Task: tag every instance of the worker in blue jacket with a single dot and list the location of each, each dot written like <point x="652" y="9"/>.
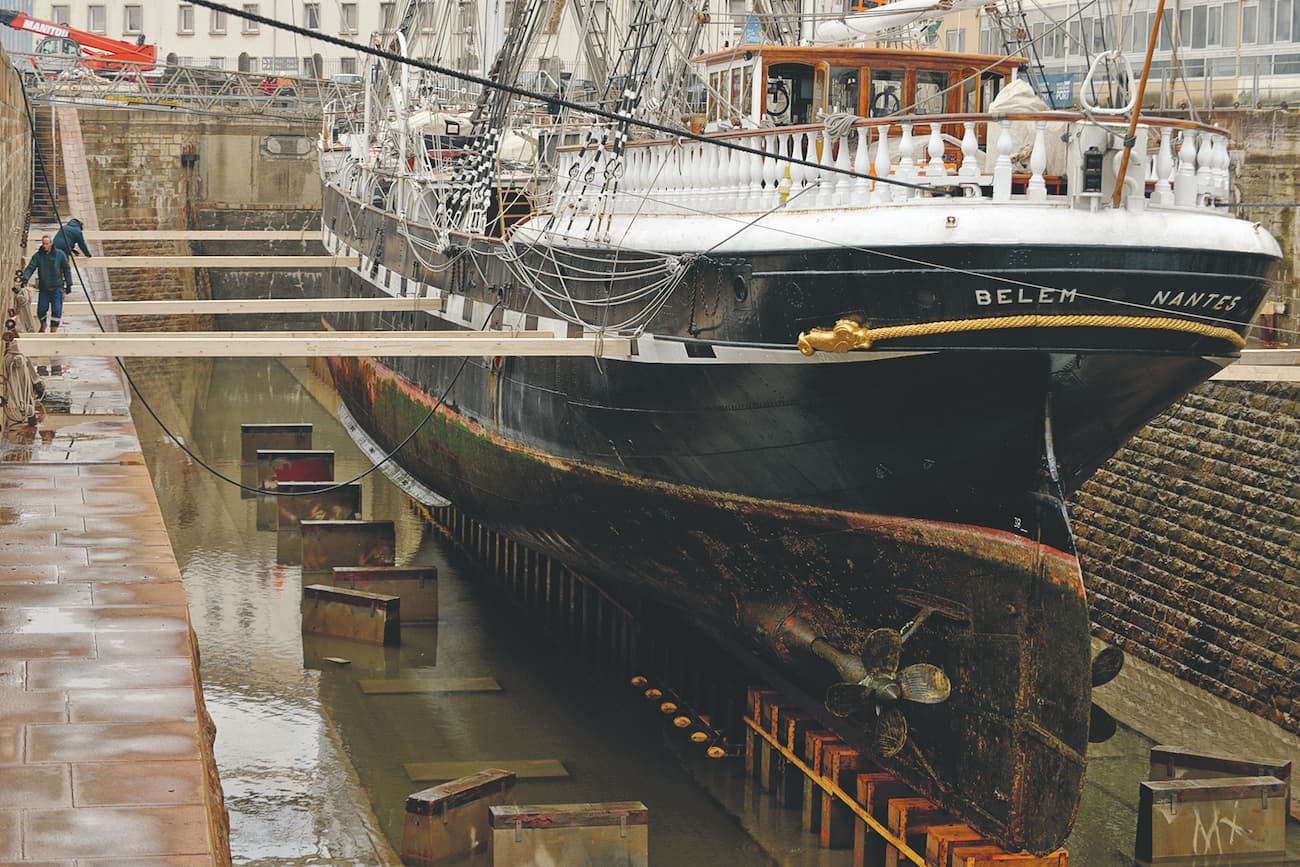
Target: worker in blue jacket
<point x="70" y="237"/>
<point x="50" y="265"/>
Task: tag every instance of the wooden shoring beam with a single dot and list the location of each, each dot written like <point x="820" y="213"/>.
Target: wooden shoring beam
<point x="251" y="305"/>
<point x="251" y="263"/>
<point x="307" y="344"/>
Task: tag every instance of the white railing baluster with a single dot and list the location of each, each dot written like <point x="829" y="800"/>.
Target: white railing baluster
<point x="1205" y="165"/>
<point x="825" y="182"/>
<point x="1185" y="182"/>
<point x="1002" y="168"/>
<point x="906" y="163"/>
<point x="861" y="166"/>
<point x="936" y="168"/>
<point x="772" y="169"/>
<point x="1038" y="163"/>
<point x="754" y="196"/>
<point x="1163" y="194"/>
<point x="842" y="183"/>
<point x="1225" y="170"/>
<point x="970" y="149"/>
<point x="798" y="171"/>
<point x="883" y="192"/>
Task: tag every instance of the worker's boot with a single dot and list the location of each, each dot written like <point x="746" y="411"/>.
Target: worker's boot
<point x="53" y="329"/>
<point x="42" y="330"/>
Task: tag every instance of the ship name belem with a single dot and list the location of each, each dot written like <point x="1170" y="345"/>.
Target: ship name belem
<point x="1043" y="295"/>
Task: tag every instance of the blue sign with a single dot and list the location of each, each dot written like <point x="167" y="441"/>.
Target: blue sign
<point x="753" y="34"/>
<point x="1060" y="86"/>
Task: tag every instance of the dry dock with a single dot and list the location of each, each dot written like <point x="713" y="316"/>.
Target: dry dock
<point x="105" y="744"/>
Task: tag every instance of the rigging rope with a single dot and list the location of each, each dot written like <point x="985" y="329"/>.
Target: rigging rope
<point x="20" y="387"/>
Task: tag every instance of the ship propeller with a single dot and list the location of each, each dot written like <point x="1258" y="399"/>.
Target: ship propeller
<point x="884" y="686"/>
<point x="1106" y="666"/>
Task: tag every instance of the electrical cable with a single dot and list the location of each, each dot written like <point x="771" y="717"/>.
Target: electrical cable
<point x="333" y="486"/>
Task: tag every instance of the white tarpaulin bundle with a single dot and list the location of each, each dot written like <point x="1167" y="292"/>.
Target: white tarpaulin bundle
<point x="1019" y="98"/>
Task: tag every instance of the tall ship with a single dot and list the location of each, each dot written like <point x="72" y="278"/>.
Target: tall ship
<point x="880" y="311"/>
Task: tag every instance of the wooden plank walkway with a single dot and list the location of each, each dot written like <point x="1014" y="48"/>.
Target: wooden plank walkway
<point x="252" y="305"/>
<point x="186" y="234"/>
<point x="251" y="263"/>
<point x="309" y="344"/>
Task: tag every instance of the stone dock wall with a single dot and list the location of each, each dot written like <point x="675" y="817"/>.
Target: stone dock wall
<point x="1190" y="541"/>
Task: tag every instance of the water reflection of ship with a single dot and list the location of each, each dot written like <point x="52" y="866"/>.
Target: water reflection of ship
<point x="854" y="407"/>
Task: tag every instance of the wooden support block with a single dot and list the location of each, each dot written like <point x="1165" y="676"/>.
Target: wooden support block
<point x="874" y="791"/>
<point x="1178" y="763"/>
<point x="263" y="437"/>
<point x="988" y="855"/>
<point x="326" y="544"/>
<point x="769" y="772"/>
<point x="316" y="501"/>
<point x="450" y="821"/>
<point x="416" y="586"/>
<point x="940" y="839"/>
<point x="814" y="742"/>
<point x="839" y="764"/>
<point x="427" y="685"/>
<point x="755" y="746"/>
<point x="611" y="833"/>
<point x="791" y="728"/>
<point x="353" y="614"/>
<point x="909" y="819"/>
<point x="524" y="769"/>
<point x="273" y="466"/>
<point x="1183" y="818"/>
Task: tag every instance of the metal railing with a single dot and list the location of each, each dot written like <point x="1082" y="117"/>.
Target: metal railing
<point x="201" y="90"/>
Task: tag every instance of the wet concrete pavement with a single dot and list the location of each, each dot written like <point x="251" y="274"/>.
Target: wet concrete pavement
<point x="101" y="727"/>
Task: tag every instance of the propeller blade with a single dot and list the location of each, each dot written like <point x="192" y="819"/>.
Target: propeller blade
<point x="880" y="652"/>
<point x="843" y="699"/>
<point x="924" y="683"/>
<point x="1106" y="666"/>
<point x="891" y="731"/>
<point x="1101" y="725"/>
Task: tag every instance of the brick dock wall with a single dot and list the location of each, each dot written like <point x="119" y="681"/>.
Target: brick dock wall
<point x="1190" y="542"/>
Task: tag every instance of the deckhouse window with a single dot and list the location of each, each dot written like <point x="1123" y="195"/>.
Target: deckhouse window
<point x="844" y="89"/>
<point x="886" y="92"/>
<point x="931" y="91"/>
<point x="790" y="93"/>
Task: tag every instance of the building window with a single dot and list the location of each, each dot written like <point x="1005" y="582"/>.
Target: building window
<point x="132" y="20"/>
<point x="1212" y="25"/>
<point x="1249" y="18"/>
<point x="185" y="61"/>
<point x="955" y="40"/>
<point x="61" y="15"/>
<point x="217" y="23"/>
<point x="96" y="19"/>
<point x="386" y="16"/>
<point x="348" y="18"/>
<point x="250" y="26"/>
<point x="311" y="16"/>
<point x="216" y="63"/>
<point x="348" y="65"/>
<point x="185" y="19"/>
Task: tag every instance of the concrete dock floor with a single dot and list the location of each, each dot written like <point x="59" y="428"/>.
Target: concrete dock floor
<point x="105" y="752"/>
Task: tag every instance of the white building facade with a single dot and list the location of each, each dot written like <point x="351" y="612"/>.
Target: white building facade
<point x="192" y="35"/>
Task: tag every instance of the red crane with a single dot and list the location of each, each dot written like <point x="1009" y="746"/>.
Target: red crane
<point x="61" y="46"/>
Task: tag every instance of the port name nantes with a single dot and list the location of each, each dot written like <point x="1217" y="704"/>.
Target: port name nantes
<point x="1048" y="295"/>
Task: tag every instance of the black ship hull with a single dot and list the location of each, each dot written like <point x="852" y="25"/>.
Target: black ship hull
<point x="779" y="499"/>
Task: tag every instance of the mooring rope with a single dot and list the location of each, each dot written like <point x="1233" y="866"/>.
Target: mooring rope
<point x="848" y="334"/>
<point x="20" y="388"/>
<point x="23" y="310"/>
